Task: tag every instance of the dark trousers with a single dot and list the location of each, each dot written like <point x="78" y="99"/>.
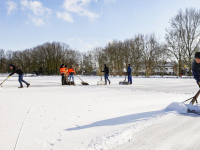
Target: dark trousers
<point x="21" y="80"/>
<point x="130" y="78"/>
<point x="63" y="79"/>
<point x="106" y="78"/>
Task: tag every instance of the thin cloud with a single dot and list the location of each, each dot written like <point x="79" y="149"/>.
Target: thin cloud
<point x="35" y="7"/>
<point x="37" y="12"/>
<point x="109" y="41"/>
<point x="65" y="16"/>
<point x="109" y="1"/>
<point x="83" y="45"/>
<point x="75" y="39"/>
<point x="79" y="7"/>
<point x="38" y="21"/>
<point x="11" y="7"/>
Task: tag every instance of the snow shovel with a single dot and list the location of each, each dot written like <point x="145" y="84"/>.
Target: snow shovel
<point x="83" y="83"/>
<point x="101" y="82"/>
<point x="4" y="81"/>
<point x="193" y="99"/>
<point x="123" y="82"/>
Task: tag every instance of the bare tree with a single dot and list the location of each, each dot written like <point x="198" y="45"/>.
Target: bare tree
<point x="186" y="25"/>
<point x="176" y="47"/>
<point x="136" y="45"/>
<point x="150" y="52"/>
<point x="100" y="58"/>
<point x="2" y="56"/>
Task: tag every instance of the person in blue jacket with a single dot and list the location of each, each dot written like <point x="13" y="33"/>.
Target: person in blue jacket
<point x="129" y="72"/>
<point x="196" y="68"/>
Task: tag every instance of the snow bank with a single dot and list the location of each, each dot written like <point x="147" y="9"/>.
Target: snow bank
<point x="120" y="137"/>
<point x="175" y="106"/>
<point x="193" y="107"/>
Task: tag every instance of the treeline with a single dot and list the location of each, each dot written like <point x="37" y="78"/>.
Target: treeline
<point x="42" y="59"/>
<point x="181" y="41"/>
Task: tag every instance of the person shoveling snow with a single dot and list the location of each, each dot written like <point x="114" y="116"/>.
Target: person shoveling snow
<point x="196" y="74"/>
<point x="19" y="71"/>
<point x="196" y="68"/>
<point x="106" y="74"/>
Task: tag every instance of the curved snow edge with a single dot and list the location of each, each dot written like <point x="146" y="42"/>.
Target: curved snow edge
<point x="117" y="138"/>
<point x="176" y="106"/>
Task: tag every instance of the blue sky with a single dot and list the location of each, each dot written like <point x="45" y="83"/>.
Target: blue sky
<point x="83" y="24"/>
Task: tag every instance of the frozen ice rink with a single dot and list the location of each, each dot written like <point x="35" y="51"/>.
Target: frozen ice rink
<point x="49" y="116"/>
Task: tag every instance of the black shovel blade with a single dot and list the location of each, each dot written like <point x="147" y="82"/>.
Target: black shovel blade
<point x="193" y="111"/>
<point x="123" y="83"/>
<point x="84" y="83"/>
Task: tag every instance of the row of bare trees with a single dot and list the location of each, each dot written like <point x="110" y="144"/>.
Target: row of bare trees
<point x="142" y="50"/>
<point x="181" y="41"/>
<point x="44" y="59"/>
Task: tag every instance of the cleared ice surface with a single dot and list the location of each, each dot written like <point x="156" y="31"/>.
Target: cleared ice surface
<point x="73" y="117"/>
<point x="119" y="137"/>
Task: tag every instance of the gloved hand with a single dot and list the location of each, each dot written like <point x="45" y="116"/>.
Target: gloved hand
<point x="8" y="76"/>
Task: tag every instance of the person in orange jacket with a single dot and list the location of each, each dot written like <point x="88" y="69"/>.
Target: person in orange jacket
<point x="71" y="73"/>
<point x="62" y="72"/>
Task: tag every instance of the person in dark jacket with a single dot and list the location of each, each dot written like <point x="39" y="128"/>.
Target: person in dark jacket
<point x="62" y="72"/>
<point x="19" y="71"/>
<point x="106" y="74"/>
<point x="129" y="72"/>
<point x="196" y="68"/>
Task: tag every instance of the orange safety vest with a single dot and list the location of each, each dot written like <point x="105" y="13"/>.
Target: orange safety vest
<point x="71" y="70"/>
<point x="66" y="71"/>
<point x="62" y="70"/>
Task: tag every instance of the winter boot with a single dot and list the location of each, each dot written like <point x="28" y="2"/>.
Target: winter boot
<point x="28" y="85"/>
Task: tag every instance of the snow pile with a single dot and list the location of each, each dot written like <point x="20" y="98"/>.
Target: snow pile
<point x="193" y="107"/>
<point x="120" y="137"/>
<point x="175" y="106"/>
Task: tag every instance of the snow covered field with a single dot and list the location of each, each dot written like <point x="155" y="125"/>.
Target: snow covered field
<point x="48" y="116"/>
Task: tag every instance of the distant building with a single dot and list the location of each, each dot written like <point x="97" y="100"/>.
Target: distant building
<point x="164" y="69"/>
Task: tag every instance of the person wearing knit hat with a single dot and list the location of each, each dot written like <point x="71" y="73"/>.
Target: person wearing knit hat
<point x="196" y="68"/>
<point x="197" y="55"/>
<point x="19" y="71"/>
